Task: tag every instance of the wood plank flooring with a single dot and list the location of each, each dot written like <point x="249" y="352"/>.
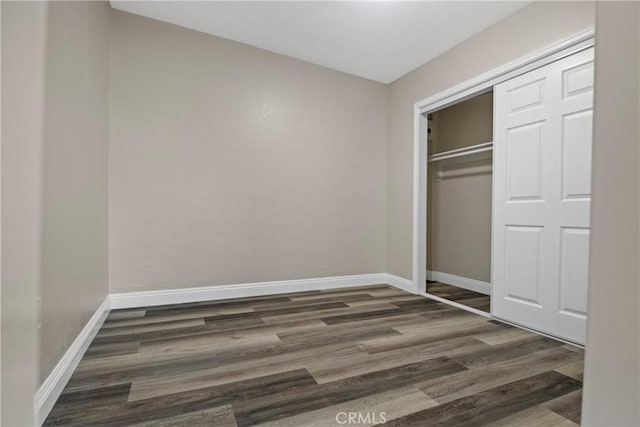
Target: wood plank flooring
<point x="370" y="355"/>
<point x="460" y="295"/>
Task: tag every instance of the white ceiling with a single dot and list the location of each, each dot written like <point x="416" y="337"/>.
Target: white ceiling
<point x="378" y="40"/>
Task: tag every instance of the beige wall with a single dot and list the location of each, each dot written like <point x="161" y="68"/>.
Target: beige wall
<point x="463" y="124"/>
<point x="23" y="65"/>
<point x="74" y="278"/>
<point x="538" y="25"/>
<point x="231" y="164"/>
<point x="459" y="207"/>
<point x="612" y="369"/>
<point x="54" y="187"/>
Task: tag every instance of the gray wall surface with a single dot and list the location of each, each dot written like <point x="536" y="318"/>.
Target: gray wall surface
<point x="612" y="366"/>
<point x="74" y="279"/>
<point x="231" y="164"/>
<point x="54" y="187"/>
<point x="23" y="68"/>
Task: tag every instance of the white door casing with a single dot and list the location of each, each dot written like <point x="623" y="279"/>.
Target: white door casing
<point x="542" y="193"/>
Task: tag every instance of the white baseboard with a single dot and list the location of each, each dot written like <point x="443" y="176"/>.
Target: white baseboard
<point x="460" y="282"/>
<point x="401" y="283"/>
<point x="206" y="293"/>
<point x="52" y="387"/>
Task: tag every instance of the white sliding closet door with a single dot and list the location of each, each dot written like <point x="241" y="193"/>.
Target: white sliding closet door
<point x="542" y="192"/>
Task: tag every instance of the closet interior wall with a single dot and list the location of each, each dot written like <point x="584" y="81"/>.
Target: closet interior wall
<point x="459" y="206"/>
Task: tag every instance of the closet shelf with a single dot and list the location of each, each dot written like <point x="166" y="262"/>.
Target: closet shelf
<point x="460" y="152"/>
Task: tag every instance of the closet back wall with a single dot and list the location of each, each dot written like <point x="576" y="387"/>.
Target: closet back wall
<point x="459" y="208"/>
<point x="231" y="164"/>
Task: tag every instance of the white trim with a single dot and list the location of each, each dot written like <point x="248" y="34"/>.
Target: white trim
<point x="52" y="387"/>
<point x="401" y="283"/>
<point x="456" y="305"/>
<point x="460" y="282"/>
<point x="485" y="81"/>
<point x="206" y="293"/>
<point x="479" y="84"/>
<point x="420" y="127"/>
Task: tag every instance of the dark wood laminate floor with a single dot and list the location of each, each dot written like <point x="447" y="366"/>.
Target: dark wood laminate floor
<point x="303" y="359"/>
<point x="460" y="295"/>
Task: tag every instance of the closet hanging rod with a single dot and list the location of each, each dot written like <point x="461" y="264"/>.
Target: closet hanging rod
<point x="466" y="151"/>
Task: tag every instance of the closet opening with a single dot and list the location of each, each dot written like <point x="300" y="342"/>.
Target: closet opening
<point x="459" y="202"/>
<point x="502" y="191"/>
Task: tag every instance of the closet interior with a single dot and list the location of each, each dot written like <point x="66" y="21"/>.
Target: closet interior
<point x="459" y="202"/>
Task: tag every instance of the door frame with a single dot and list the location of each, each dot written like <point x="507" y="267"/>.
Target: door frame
<point x="468" y="89"/>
